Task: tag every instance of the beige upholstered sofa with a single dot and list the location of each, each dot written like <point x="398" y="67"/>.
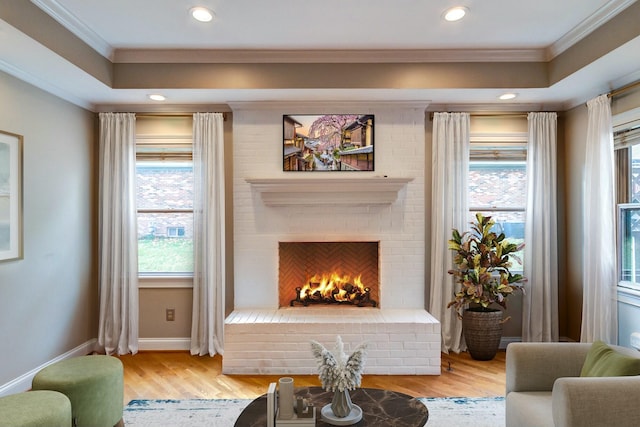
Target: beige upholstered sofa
<point x="544" y="388"/>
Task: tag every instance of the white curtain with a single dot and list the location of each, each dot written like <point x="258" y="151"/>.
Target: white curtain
<point x="540" y="299"/>
<point x="599" y="306"/>
<point x="207" y="326"/>
<point x="449" y="209"/>
<point x="118" y="242"/>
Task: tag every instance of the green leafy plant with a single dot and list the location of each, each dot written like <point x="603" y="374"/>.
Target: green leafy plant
<point x="482" y="262"/>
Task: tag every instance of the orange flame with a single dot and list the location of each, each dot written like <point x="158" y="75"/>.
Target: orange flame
<point x="333" y="287"/>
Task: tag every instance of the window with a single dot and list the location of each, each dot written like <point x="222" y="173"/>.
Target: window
<point x="164" y="188"/>
<point x="629" y="239"/>
<point x="498" y="184"/>
<point x="627" y="157"/>
<point x="175" y="231"/>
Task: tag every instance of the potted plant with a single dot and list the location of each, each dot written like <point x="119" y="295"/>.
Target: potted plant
<point x="482" y="260"/>
<point x="340" y="374"/>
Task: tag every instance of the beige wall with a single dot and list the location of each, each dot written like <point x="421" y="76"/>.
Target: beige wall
<point x="625" y="101"/>
<point x="48" y="300"/>
<point x="574" y="157"/>
<point x="571" y="247"/>
<point x="153" y="305"/>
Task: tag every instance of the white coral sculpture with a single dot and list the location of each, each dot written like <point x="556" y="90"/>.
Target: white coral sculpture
<point x="335" y="370"/>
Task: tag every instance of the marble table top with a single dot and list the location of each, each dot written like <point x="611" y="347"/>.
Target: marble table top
<point x="381" y="408"/>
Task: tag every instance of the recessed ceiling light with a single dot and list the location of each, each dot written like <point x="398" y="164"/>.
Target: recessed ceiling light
<point x="157" y="97"/>
<point x="507" y="96"/>
<point x="455" y="13"/>
<point x="201" y="14"/>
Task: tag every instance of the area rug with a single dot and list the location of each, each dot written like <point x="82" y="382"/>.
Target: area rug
<point x="443" y="412"/>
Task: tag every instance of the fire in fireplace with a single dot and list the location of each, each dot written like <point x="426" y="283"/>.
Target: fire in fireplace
<point x="328" y="273"/>
<point x="334" y="289"/>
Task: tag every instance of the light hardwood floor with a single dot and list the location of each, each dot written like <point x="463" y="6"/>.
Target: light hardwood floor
<point x="178" y="375"/>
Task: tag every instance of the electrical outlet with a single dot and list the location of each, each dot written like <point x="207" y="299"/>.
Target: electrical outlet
<point x="171" y="314"/>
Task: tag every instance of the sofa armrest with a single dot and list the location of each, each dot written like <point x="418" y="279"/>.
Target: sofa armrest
<point x="536" y="366"/>
<point x="596" y="401"/>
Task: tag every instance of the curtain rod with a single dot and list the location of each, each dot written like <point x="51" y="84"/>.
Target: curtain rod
<point x="224" y="115"/>
<point x="163" y="114"/>
<point x="623" y="89"/>
<point x="519" y="114"/>
<point x="504" y="114"/>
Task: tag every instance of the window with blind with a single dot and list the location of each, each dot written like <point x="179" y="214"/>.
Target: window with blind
<point x="164" y="190"/>
<point x="498" y="183"/>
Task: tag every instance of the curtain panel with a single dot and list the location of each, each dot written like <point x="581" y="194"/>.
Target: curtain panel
<point x="117" y="240"/>
<point x="540" y="299"/>
<point x="599" y="300"/>
<point x="207" y="326"/>
<point x="449" y="207"/>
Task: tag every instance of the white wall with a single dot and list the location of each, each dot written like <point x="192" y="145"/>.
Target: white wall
<point x="400" y="227"/>
<point x="48" y="300"/>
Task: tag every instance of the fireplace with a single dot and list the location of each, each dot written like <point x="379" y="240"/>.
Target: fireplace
<point x="264" y="334"/>
<point x="328" y="273"/>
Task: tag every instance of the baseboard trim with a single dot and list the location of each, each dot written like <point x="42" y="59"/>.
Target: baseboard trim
<point x="23" y="382"/>
<point x="505" y="341"/>
<point x="158" y="344"/>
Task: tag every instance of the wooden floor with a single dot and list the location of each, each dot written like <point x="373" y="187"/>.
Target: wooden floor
<point x="178" y="375"/>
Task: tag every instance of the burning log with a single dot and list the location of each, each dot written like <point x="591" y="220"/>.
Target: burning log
<point x="333" y="289"/>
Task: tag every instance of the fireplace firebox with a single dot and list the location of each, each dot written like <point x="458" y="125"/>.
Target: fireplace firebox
<point x="331" y="273"/>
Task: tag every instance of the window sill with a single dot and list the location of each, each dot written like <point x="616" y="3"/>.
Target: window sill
<point x="147" y="282"/>
<point x="631" y="288"/>
<point x="628" y="293"/>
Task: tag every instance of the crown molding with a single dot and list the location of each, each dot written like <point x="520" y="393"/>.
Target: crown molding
<point x="330" y="107"/>
<point x="44" y="85"/>
<point x="76" y="26"/>
<point x="58" y="12"/>
<point x="223" y="56"/>
<point x="586" y="27"/>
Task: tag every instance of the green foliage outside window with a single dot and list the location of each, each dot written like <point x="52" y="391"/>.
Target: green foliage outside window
<point x="165" y="254"/>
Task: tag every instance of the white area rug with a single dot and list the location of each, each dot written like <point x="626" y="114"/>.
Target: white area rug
<point x="443" y="412"/>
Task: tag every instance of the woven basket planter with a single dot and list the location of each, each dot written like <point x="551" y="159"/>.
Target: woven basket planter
<point x="482" y="332"/>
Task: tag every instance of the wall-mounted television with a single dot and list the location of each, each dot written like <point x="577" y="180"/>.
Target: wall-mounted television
<point x="328" y="142"/>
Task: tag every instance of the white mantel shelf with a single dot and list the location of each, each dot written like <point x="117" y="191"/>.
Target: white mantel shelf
<point x="332" y="191"/>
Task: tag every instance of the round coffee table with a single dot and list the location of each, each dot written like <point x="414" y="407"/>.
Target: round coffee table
<point x="380" y="408"/>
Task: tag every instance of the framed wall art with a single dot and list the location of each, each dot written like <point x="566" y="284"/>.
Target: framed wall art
<point x="328" y="142"/>
<point x="10" y="196"/>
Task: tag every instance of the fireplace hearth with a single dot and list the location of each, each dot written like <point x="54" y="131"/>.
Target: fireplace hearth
<point x="328" y="273"/>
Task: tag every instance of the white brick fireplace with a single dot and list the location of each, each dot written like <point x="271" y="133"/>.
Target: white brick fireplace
<point x="386" y="205"/>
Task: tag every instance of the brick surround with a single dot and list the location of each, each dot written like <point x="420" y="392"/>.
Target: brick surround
<point x="400" y="342"/>
<point x="398" y="226"/>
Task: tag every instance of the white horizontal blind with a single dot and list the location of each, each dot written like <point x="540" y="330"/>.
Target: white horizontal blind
<point x="498" y="147"/>
<point x="627" y="137"/>
<point x="158" y="148"/>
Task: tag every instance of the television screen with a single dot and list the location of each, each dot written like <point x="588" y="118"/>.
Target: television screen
<point x="328" y="142"/>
